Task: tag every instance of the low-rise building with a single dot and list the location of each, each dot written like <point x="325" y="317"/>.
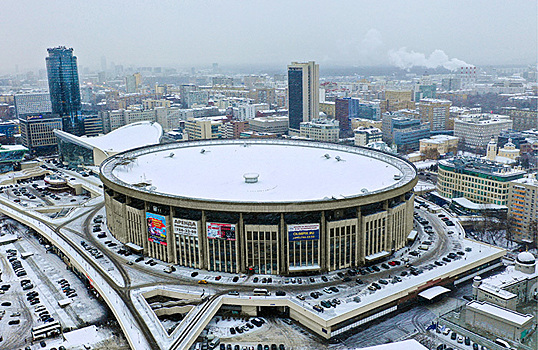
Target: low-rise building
<point x="523" y="118"/>
<point x="275" y="125"/>
<point x="404" y="132"/>
<point x="438" y="145"/>
<point x="499" y="321"/>
<point x="479" y="180"/>
<point x="326" y="130"/>
<point x="364" y="136"/>
<point x="205" y="128"/>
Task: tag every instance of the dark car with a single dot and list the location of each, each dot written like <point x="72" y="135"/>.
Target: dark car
<point x="280" y="293"/>
<point x="232" y="330"/>
<point x="235" y="279"/>
<point x="324" y="278"/>
<point x="194" y="274"/>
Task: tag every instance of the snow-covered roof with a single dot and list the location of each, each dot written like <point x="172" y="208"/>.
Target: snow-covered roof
<point x="526" y="258"/>
<point x="410" y="344"/>
<point x="433" y="292"/>
<point x="494" y="310"/>
<point x="289" y="171"/>
<point x="464" y="202"/>
<point x="127" y="137"/>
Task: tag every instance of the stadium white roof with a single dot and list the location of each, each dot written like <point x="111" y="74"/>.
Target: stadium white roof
<point x="288" y="171"/>
<point x="127" y="137"/>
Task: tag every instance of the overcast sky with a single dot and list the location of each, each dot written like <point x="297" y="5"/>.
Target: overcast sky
<point x="197" y="33"/>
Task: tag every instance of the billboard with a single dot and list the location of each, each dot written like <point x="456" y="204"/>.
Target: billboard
<point x="220" y="231"/>
<point x="304" y="232"/>
<point x="186" y="227"/>
<point x="156" y="228"/>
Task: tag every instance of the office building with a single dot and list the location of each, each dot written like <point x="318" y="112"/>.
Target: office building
<point x="10" y="156"/>
<point x="434" y="111"/>
<point x="478" y="180"/>
<point x="278" y="125"/>
<point x="234" y="128"/>
<point x="328" y="107"/>
<point x="33" y="103"/>
<point x="37" y="133"/>
<point x="404" y="132"/>
<point x="365" y="136"/>
<point x="476" y="130"/>
<point x="64" y="88"/>
<point x="9" y="129"/>
<point x="523" y="208"/>
<point x="524" y="119"/>
<point x="341" y="113"/>
<point x="207" y="128"/>
<point x="93" y="125"/>
<point x="437" y="145"/>
<point x="326" y="130"/>
<point x="197" y="98"/>
<point x="303" y="93"/>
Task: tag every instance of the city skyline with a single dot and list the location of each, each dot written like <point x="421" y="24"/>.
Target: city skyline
<point x="182" y="35"/>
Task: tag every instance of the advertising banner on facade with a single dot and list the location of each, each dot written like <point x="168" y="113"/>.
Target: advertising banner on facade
<point x="156" y="228"/>
<point x="304" y="232"/>
<point x="186" y="227"/>
<point x="220" y="231"/>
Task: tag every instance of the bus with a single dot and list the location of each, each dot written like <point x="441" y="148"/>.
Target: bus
<point x="46" y="330"/>
<point x="261" y="291"/>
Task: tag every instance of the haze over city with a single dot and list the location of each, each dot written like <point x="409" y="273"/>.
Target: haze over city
<point x="272" y="33"/>
<point x="268" y="175"/>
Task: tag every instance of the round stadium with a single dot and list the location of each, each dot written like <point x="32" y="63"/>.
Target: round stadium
<point x="260" y="206"/>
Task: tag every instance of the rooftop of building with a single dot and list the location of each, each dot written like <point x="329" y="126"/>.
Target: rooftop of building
<point x="494" y="310"/>
<point x="529" y="181"/>
<point x="435" y="100"/>
<point x="483" y="118"/>
<point x="288" y="171"/>
<point x="483" y="166"/>
<point x="439" y="139"/>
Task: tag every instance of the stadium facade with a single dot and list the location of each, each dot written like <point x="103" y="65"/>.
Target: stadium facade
<point x="261" y="206"/>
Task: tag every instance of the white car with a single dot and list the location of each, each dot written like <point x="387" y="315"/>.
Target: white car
<point x="460" y="339"/>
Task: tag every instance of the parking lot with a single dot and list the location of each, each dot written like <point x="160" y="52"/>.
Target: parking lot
<point x="39" y="289"/>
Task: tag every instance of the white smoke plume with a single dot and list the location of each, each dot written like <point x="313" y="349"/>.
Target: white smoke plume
<point x="406" y="59"/>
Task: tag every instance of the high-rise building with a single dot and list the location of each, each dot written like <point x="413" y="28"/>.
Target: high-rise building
<point x="64" y="88"/>
<point x="303" y="93"/>
<point x="523" y="208"/>
<point x="476" y="130"/>
<point x="30" y="104"/>
<point x="435" y="111"/>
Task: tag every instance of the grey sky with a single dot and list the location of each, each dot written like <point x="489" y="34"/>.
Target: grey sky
<point x="197" y="33"/>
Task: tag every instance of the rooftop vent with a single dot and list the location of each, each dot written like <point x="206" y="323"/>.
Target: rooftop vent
<point x="338" y="159"/>
<point x="202" y="151"/>
<point x="327" y="156"/>
<point x="251" y="178"/>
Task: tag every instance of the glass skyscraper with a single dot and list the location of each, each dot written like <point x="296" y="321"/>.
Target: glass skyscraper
<point x="64" y="88"/>
<point x="303" y="93"/>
